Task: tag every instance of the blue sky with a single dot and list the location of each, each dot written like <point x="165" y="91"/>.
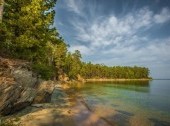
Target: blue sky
<point x="118" y="32"/>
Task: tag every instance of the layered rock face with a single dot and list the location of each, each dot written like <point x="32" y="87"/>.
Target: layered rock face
<point x="19" y="86"/>
<point x="44" y="92"/>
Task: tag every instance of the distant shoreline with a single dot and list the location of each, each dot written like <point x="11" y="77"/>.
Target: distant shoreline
<point x="105" y="80"/>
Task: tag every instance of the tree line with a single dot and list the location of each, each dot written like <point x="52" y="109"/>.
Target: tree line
<point x="27" y="32"/>
<point x="118" y="72"/>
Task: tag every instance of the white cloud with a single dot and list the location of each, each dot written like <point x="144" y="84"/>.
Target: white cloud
<point x="112" y="30"/>
<point x="84" y="50"/>
<point x="150" y="55"/>
<point x="143" y="18"/>
<point x="75" y="6"/>
<point x="163" y="16"/>
<point x="117" y="32"/>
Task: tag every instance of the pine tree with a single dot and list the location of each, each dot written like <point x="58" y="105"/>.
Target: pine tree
<point x="27" y="32"/>
<point x="26" y="27"/>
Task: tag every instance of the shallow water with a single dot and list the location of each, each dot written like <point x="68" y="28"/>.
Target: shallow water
<point x="130" y="103"/>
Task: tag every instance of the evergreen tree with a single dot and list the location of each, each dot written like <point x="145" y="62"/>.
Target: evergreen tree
<point x="27" y="33"/>
<point x="89" y="70"/>
<point x="26" y="27"/>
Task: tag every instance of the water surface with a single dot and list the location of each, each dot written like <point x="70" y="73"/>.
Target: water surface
<point x="130" y="103"/>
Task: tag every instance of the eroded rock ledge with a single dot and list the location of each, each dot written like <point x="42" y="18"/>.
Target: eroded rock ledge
<point x="20" y="87"/>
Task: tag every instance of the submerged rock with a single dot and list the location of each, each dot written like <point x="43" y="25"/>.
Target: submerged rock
<point x="58" y="95"/>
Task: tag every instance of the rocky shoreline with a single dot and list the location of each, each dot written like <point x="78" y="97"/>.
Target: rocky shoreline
<point x="65" y="109"/>
<point x="26" y="100"/>
<point x="20" y="87"/>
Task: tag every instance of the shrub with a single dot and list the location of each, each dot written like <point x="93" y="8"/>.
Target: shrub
<point x="46" y="72"/>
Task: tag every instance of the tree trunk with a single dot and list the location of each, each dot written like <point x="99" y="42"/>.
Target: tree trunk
<point x="1" y="9"/>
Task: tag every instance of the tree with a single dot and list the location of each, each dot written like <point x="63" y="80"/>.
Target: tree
<point x="73" y="64"/>
<point x="60" y="51"/>
<point x="26" y="27"/>
<point x="89" y="70"/>
<point x="1" y="9"/>
<point x="27" y="32"/>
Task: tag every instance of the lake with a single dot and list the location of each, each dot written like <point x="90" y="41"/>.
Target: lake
<point x="130" y="103"/>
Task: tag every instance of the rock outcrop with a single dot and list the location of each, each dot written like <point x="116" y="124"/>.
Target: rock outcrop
<point x="14" y="98"/>
<point x="80" y="78"/>
<point x="63" y="78"/>
<point x="19" y="86"/>
<point x="44" y="92"/>
<point x="24" y="77"/>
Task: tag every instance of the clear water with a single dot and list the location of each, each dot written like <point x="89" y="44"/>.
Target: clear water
<point x="130" y="103"/>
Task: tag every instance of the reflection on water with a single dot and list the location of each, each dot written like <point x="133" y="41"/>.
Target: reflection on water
<point x="132" y="102"/>
<point x="141" y="86"/>
<point x="137" y="83"/>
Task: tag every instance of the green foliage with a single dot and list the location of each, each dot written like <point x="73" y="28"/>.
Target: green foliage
<point x="73" y="64"/>
<point x="9" y="122"/>
<point x="26" y="27"/>
<point x="89" y="70"/>
<point x="59" y="51"/>
<point x="46" y="72"/>
<point x="27" y="33"/>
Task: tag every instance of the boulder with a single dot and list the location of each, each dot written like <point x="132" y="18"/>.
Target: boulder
<point x="44" y="92"/>
<point x="18" y="70"/>
<point x="19" y="87"/>
<point x="14" y="98"/>
<point x="24" y="77"/>
<point x="58" y="95"/>
<point x="8" y="96"/>
<point x="16" y="85"/>
<point x="26" y="98"/>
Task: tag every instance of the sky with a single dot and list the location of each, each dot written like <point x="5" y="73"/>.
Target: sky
<point x="118" y="32"/>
